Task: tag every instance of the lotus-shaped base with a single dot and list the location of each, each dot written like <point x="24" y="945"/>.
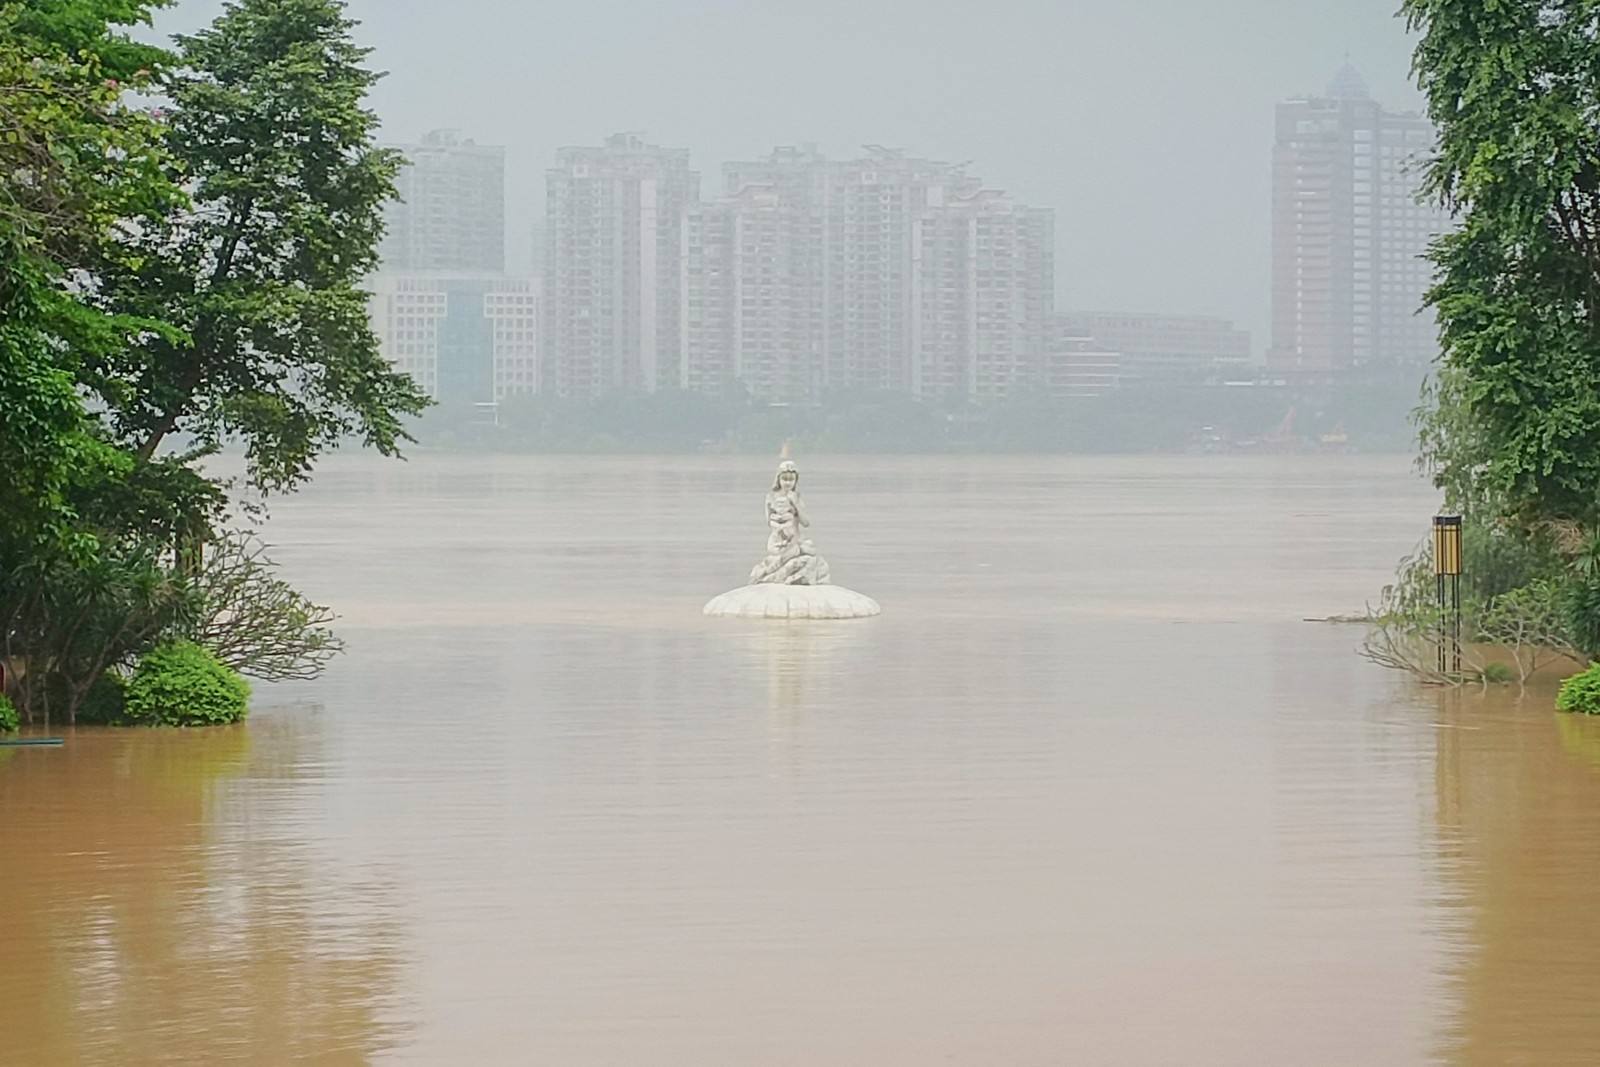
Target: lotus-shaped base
<point x="773" y="601"/>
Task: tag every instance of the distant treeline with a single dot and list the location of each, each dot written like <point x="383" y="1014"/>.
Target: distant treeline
<point x="1371" y="415"/>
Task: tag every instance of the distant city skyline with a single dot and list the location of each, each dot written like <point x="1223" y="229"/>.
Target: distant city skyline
<point x="1395" y="228"/>
<point x="891" y="271"/>
<point x="1146" y="125"/>
<point x="808" y="275"/>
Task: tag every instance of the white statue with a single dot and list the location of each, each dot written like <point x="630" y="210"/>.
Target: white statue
<point x="792" y="582"/>
<point x="791" y="558"/>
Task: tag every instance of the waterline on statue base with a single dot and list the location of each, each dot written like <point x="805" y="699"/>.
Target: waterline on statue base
<point x="775" y="601"/>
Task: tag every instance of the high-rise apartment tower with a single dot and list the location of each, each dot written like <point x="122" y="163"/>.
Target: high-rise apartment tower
<point x="613" y="240"/>
<point x="884" y="272"/>
<point x="450" y="215"/>
<point x="1348" y="234"/>
<point x="751" y="318"/>
<point x="983" y="297"/>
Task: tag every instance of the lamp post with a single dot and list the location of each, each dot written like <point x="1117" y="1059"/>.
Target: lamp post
<point x="1447" y="576"/>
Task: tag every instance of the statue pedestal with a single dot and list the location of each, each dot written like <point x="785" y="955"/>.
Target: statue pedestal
<point x="771" y="601"/>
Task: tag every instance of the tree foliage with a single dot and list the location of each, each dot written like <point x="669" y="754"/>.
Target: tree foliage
<point x="1514" y="89"/>
<point x="79" y="158"/>
<point x="1581" y="692"/>
<point x="1511" y="424"/>
<point x="190" y="269"/>
<point x="179" y="683"/>
<point x="77" y="161"/>
<point x="259" y="272"/>
<point x="69" y="621"/>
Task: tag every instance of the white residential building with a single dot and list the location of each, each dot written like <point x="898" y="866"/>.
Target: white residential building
<point x="613" y="264"/>
<point x="464" y="338"/>
<point x="450" y="215"/>
<point x="883" y="272"/>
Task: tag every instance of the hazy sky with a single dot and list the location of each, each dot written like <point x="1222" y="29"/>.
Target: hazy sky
<point x="1145" y="124"/>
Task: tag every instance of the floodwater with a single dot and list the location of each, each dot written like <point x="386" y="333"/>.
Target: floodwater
<point x="1089" y="791"/>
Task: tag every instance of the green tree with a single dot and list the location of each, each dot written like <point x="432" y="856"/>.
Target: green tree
<point x="260" y="273"/>
<point x="77" y="159"/>
<point x="94" y="31"/>
<point x="188" y="269"/>
<point x="1513" y="422"/>
<point x="76" y="590"/>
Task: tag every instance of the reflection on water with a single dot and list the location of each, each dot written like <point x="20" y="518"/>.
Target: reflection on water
<point x="1089" y="791"/>
<point x="797" y="657"/>
<point x="1518" y="795"/>
<point x="155" y="908"/>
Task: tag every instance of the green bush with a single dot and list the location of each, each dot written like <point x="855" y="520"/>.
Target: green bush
<point x="181" y="684"/>
<point x="10" y="721"/>
<point x="1581" y="692"/>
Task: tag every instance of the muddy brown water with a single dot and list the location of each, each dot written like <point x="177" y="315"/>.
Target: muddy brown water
<point x="1090" y="791"/>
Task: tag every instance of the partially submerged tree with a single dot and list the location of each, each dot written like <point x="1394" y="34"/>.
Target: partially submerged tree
<point x="71" y="622"/>
<point x="1505" y="635"/>
<point x="254" y="621"/>
<point x="1511" y="425"/>
<point x="78" y="584"/>
<point x="192" y="270"/>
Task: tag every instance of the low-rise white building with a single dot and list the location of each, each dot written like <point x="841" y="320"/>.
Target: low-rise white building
<point x="1167" y="349"/>
<point x="464" y="338"/>
<point x="1079" y="365"/>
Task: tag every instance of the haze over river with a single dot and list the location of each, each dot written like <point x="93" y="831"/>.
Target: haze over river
<point x="1089" y="791"/>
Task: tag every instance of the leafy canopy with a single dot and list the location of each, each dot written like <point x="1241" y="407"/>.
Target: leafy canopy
<point x="260" y="274"/>
<point x="188" y="269"/>
<point x="1514" y="89"/>
<point x="78" y="160"/>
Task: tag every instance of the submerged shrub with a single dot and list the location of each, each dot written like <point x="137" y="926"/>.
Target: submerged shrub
<point x="181" y="684"/>
<point x="107" y="701"/>
<point x="1499" y="673"/>
<point x="1581" y="692"/>
<point x="1517" y="611"/>
<point x="10" y="721"/>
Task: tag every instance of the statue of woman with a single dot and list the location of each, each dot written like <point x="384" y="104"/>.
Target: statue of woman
<point x="791" y="559"/>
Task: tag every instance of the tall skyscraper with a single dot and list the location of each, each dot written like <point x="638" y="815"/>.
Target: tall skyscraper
<point x="1348" y="233"/>
<point x="875" y="206"/>
<point x="792" y="187"/>
<point x="450" y="215"/>
<point x="613" y="257"/>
